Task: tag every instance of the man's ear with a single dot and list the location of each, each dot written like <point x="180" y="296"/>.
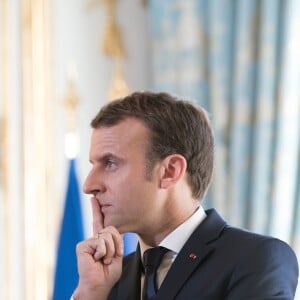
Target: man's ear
<point x="173" y="168"/>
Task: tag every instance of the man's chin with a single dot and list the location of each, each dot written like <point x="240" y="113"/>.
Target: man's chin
<point x="121" y="229"/>
<point x="110" y="222"/>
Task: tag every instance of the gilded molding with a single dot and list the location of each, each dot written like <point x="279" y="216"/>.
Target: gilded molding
<point x="71" y="102"/>
<point x="4" y="96"/>
<point x="3" y="154"/>
<point x="5" y="292"/>
<point x="112" y="46"/>
<point x="37" y="132"/>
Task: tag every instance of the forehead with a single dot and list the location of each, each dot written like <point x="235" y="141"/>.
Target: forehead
<point x="127" y="134"/>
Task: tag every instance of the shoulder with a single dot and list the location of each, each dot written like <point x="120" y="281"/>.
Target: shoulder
<point x="249" y="246"/>
<point x="258" y="246"/>
<point x="264" y="265"/>
<point x="246" y="249"/>
<point x="257" y="242"/>
<point x="256" y="263"/>
<point x="222" y="234"/>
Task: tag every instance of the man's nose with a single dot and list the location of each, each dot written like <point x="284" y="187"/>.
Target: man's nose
<point x="86" y="185"/>
<point x="90" y="185"/>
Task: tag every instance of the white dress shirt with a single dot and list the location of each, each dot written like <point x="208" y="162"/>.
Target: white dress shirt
<point x="174" y="241"/>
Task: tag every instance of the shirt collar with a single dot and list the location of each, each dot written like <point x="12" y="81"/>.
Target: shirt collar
<point x="175" y="240"/>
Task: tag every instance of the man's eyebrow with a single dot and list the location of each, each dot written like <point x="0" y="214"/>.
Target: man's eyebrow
<point x="104" y="157"/>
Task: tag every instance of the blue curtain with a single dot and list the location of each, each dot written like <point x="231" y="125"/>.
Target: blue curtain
<point x="240" y="60"/>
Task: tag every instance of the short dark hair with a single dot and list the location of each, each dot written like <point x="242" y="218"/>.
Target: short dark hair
<point x="176" y="126"/>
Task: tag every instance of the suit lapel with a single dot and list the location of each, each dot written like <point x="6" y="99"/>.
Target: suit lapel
<point x="193" y="253"/>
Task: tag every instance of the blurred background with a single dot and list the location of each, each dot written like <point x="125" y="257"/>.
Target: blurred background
<point x="60" y="61"/>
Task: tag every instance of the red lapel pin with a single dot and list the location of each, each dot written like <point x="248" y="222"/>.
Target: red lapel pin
<point x="193" y="256"/>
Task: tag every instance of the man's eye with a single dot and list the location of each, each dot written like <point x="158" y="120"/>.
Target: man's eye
<point x="110" y="164"/>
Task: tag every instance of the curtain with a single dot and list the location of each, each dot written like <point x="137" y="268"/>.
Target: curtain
<point x="240" y="60"/>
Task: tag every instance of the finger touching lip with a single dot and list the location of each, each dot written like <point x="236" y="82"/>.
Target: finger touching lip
<point x="105" y="207"/>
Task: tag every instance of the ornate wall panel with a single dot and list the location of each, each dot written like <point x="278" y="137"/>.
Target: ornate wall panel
<point x="37" y="132"/>
<point x="4" y="258"/>
<point x="27" y="192"/>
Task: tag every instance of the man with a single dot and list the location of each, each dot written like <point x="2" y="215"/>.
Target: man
<point x="152" y="162"/>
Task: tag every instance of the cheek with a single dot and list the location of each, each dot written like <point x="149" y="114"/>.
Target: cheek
<point x="141" y="196"/>
<point x="131" y="190"/>
<point x="121" y="190"/>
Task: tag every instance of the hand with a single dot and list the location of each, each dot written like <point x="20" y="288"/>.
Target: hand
<point x="99" y="259"/>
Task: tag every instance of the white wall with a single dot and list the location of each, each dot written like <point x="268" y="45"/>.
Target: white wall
<point x="78" y="34"/>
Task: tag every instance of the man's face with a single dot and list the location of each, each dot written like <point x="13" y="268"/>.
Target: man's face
<point x="118" y="175"/>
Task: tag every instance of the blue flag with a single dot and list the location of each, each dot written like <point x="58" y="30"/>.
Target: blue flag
<point x="66" y="275"/>
<point x="130" y="242"/>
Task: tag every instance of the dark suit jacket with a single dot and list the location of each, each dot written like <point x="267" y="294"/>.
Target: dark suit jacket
<point x="219" y="262"/>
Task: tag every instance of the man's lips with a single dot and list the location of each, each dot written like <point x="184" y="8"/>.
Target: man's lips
<point x="104" y="207"/>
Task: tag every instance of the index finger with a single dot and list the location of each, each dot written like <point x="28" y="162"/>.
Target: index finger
<point x="97" y="216"/>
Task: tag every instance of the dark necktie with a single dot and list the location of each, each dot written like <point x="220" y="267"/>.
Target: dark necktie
<point x="152" y="259"/>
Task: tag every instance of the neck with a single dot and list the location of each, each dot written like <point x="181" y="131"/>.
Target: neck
<point x="168" y="223"/>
